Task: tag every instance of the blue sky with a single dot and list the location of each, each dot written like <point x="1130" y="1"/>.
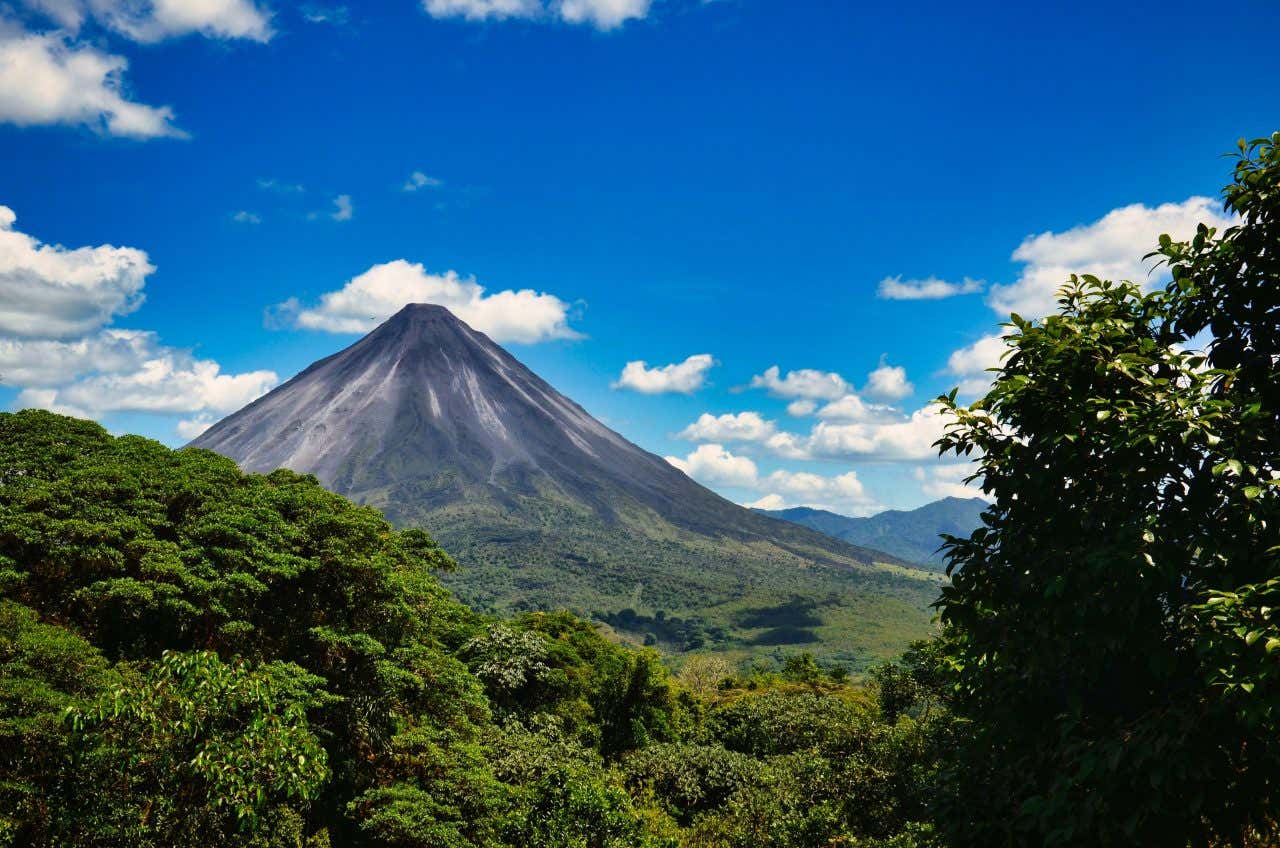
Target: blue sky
<point x="732" y="181"/>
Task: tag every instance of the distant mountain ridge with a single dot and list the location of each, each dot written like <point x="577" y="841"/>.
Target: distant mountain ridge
<point x="545" y="507"/>
<point x="913" y="535"/>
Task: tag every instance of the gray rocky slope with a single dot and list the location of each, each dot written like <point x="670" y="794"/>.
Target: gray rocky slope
<point x="439" y="427"/>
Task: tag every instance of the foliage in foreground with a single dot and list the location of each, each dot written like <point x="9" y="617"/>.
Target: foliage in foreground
<point x="1114" y="632"/>
<point x="194" y="656"/>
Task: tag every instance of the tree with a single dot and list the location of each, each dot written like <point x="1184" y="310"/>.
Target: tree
<point x="44" y="671"/>
<point x="702" y="674"/>
<point x="1112" y="628"/>
<point x="194" y="751"/>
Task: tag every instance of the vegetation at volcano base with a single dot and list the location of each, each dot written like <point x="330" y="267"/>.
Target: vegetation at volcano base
<point x="190" y="655"/>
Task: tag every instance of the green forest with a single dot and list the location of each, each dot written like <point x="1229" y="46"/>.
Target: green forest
<point x="193" y="656"/>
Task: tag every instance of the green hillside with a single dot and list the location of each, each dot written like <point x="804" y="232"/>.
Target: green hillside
<point x="540" y="554"/>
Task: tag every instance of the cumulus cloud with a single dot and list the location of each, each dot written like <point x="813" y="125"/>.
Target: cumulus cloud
<point x="714" y="465"/>
<point x="801" y="408"/>
<point x="888" y="382"/>
<point x="842" y="493"/>
<point x="806" y="383"/>
<point x="479" y="10"/>
<point x="418" y="181"/>
<point x="156" y="20"/>
<point x="190" y="428"/>
<point x="788" y="446"/>
<point x="929" y="288"/>
<point x="48" y="399"/>
<point x="947" y="481"/>
<point x="677" y="378"/>
<point x="167" y="381"/>
<point x="970" y="364"/>
<point x="770" y="502"/>
<point x="731" y="427"/>
<point x="601" y="14"/>
<point x="49" y="291"/>
<point x="246" y="217"/>
<point x="909" y="438"/>
<point x="1111" y="247"/>
<point x="49" y="79"/>
<point x="370" y="298"/>
<point x="25" y="362"/>
<point x="852" y="407"/>
<point x="55" y="347"/>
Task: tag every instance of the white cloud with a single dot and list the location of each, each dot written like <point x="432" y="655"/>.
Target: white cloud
<point x="49" y="291"/>
<point x="54" y="347"/>
<point x="48" y="79"/>
<point x="168" y="381"/>
<point x="788" y="446"/>
<point x="714" y="465"/>
<point x="731" y="427"/>
<point x="189" y="428"/>
<point x="156" y="20"/>
<point x="418" y="180"/>
<point x="677" y="378"/>
<point x="769" y="502"/>
<point x="602" y="14"/>
<point x="930" y="288"/>
<point x="911" y="437"/>
<point x="947" y="481"/>
<point x="48" y="399"/>
<point x="479" y="10"/>
<point x="851" y="407"/>
<point x="26" y="362"/>
<point x="843" y="493"/>
<point x="69" y="14"/>
<point x="342" y="208"/>
<point x="370" y="298"/>
<point x="1111" y="247"/>
<point x="888" y="382"/>
<point x="246" y="217"/>
<point x="969" y="364"/>
<point x="806" y="383"/>
<point x="801" y="408"/>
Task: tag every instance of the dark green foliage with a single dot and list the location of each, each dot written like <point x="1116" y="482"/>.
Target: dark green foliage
<point x="44" y="671"/>
<point x="194" y="656"/>
<point x="795" y="763"/>
<point x="611" y="698"/>
<point x="565" y="796"/>
<point x="193" y="751"/>
<point x="796" y="613"/>
<point x="679" y="634"/>
<point x="914" y="685"/>
<point x="1113" y="629"/>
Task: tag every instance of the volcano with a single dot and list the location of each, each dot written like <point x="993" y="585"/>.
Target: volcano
<point x="545" y="507"/>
